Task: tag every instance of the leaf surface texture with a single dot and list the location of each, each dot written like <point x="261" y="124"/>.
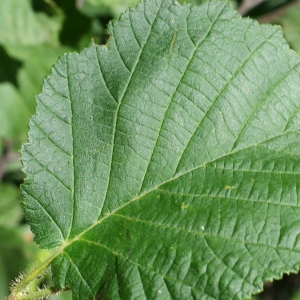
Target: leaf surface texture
<point x="165" y="164"/>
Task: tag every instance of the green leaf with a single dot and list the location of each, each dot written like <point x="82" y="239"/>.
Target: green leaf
<point x="32" y="39"/>
<point x="116" y="7"/>
<point x="18" y="103"/>
<point x="296" y="296"/>
<point x="19" y="25"/>
<point x="12" y="254"/>
<point x="4" y="282"/>
<point x="15" y="251"/>
<point x="290" y="23"/>
<point x="14" y="113"/>
<point x="165" y="165"/>
<point x="37" y="63"/>
<point x="10" y="211"/>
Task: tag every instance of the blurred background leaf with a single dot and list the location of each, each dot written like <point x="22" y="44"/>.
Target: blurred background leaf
<point x="116" y="7"/>
<point x="19" y="25"/>
<point x="290" y="22"/>
<point x="10" y="210"/>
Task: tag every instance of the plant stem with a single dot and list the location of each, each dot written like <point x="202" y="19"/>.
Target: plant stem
<point x="19" y="290"/>
<point x="42" y="294"/>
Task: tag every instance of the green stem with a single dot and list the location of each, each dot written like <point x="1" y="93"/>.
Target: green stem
<point x="44" y="293"/>
<point x="19" y="290"/>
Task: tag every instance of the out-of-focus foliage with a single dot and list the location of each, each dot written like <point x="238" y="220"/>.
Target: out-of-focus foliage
<point x="29" y="46"/>
<point x="10" y="211"/>
<point x="33" y="34"/>
<point x="19" y="25"/>
<point x="30" y="41"/>
<point x="290" y="22"/>
<point x="13" y="121"/>
<point x="296" y="296"/>
<point x="16" y="248"/>
<point x="116" y="7"/>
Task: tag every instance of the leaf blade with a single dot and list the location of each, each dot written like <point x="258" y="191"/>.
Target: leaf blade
<point x="174" y="154"/>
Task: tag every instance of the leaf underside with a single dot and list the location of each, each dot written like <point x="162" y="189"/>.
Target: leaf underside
<point x="165" y="164"/>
